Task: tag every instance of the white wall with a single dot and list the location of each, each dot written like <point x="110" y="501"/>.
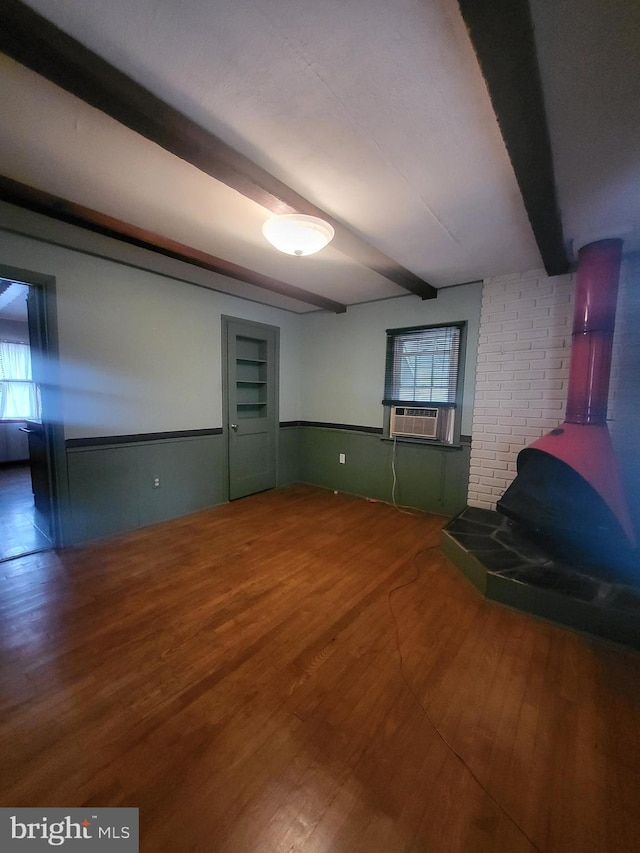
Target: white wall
<point x="343" y="355"/>
<point x="140" y="352"/>
<point x="524" y="352"/>
<point x="523" y="368"/>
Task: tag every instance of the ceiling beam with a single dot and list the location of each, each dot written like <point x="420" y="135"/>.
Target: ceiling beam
<point x="75" y="214"/>
<point x="38" y="44"/>
<point x="501" y="32"/>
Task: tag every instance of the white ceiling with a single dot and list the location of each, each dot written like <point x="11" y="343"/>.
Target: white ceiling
<point x="589" y="55"/>
<point x="374" y="111"/>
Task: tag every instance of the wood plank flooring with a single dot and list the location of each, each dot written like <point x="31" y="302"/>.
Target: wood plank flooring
<point x="300" y="671"/>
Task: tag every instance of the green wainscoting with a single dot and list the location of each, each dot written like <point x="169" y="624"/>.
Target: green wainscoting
<point x="288" y="470"/>
<point x="429" y="477"/>
<point x="111" y="486"/>
<point x="111" y="480"/>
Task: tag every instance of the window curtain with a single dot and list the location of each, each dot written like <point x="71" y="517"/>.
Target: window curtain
<point x="18" y="393"/>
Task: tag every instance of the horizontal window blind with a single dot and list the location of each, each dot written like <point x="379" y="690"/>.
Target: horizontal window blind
<point x="422" y="366"/>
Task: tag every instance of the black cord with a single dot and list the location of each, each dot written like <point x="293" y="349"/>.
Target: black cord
<point x="426" y="713"/>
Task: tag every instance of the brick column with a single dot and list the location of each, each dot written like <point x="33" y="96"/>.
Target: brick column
<point x="522" y="374"/>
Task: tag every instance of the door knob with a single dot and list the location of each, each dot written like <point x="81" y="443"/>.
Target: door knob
<point x="234" y="427"/>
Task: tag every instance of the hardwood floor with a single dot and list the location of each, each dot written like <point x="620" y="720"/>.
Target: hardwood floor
<point x="18" y="531"/>
<point x="267" y="675"/>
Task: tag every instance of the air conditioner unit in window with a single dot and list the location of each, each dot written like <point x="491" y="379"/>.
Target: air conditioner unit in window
<point x="415" y="423"/>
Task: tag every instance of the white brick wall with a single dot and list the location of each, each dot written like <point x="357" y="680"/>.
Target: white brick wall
<point x="523" y="368"/>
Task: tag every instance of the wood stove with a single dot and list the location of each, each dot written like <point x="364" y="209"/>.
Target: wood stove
<point x="567" y="491"/>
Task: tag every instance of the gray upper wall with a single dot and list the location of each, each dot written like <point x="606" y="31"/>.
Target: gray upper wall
<point x="140" y="352"/>
<point x="343" y="356"/>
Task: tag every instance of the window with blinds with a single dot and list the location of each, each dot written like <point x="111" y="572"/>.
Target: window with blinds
<point x="422" y="370"/>
<point x="422" y="365"/>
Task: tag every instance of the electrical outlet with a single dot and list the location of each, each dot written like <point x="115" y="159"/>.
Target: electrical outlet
<point x="343" y="458"/>
<point x="156" y="482"/>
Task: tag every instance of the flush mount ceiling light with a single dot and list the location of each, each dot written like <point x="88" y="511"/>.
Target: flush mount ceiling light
<point x="297" y="234"/>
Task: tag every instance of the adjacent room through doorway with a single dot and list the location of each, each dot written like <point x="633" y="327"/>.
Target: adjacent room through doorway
<point x="23" y="528"/>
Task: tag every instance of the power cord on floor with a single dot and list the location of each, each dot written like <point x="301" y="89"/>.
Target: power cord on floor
<point x="426" y="713"/>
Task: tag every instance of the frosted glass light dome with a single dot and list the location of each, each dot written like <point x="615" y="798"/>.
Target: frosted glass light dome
<point x="298" y="234"/>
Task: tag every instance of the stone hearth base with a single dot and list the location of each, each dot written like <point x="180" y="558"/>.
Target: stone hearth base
<point x="507" y="566"/>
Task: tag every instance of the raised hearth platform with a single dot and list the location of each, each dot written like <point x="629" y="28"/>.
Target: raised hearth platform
<point x="507" y="566"/>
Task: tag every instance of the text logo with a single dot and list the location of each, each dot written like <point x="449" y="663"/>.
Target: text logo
<point x="109" y="829"/>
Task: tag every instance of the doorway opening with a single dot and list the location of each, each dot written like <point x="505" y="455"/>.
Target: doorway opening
<point x="29" y="434"/>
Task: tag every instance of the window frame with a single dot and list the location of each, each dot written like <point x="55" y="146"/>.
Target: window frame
<point x="455" y="406"/>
